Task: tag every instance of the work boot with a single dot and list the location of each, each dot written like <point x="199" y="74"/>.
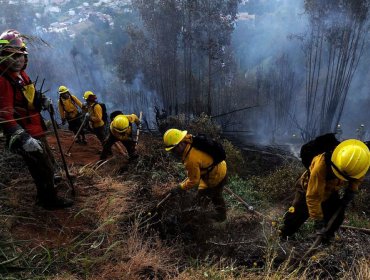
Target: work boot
<point x="55" y="203"/>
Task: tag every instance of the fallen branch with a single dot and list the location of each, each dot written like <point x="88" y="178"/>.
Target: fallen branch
<point x="246" y="205"/>
<point x="364" y="230"/>
<point x="230" y="243"/>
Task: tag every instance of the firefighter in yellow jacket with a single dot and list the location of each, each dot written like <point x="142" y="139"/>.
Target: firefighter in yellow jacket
<point x="95" y="115"/>
<point x="68" y="105"/>
<point x="317" y="195"/>
<point x="120" y="129"/>
<point x="210" y="182"/>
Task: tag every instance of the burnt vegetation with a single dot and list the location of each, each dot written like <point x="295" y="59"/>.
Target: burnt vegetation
<point x="122" y="227"/>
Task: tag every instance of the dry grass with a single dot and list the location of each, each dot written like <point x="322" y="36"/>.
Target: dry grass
<point x="103" y="237"/>
<point x="139" y="257"/>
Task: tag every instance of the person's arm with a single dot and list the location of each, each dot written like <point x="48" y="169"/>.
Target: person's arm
<point x="133" y="119"/>
<point x="316" y="189"/>
<point x="61" y="110"/>
<point x="77" y="101"/>
<point x="9" y="124"/>
<point x="351" y="191"/>
<point x="193" y="172"/>
<point x="98" y="114"/>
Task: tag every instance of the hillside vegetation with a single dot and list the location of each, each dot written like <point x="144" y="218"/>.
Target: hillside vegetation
<point x="115" y="230"/>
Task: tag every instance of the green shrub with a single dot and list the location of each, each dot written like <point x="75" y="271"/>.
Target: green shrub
<point x="245" y="190"/>
<point x="200" y="124"/>
<point x="234" y="158"/>
<point x="362" y="198"/>
<point x="278" y="185"/>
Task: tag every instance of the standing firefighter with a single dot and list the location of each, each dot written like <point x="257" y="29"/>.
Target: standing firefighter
<point x="68" y="105"/>
<point x="210" y="178"/>
<point x="20" y="106"/>
<point x="317" y="195"/>
<point x="95" y="115"/>
<point x="120" y="129"/>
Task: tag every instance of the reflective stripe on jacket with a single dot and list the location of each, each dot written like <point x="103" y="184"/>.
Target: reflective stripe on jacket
<point x="127" y="134"/>
<point x="196" y="163"/>
<point x="320" y="186"/>
<point x="68" y="109"/>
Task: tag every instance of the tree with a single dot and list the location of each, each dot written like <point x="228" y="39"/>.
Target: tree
<point x="281" y="85"/>
<point x="333" y="48"/>
<point x="186" y="43"/>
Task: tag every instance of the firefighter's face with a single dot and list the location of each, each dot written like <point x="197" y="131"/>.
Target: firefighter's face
<point x="65" y="95"/>
<point x="178" y="150"/>
<point x="15" y="62"/>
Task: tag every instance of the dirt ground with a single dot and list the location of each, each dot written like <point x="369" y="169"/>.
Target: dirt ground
<point x="79" y="154"/>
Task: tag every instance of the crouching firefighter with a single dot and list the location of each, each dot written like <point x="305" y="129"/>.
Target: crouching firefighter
<point x="120" y="129"/>
<point x="20" y="106"/>
<point x="318" y="189"/>
<point x="68" y="105"/>
<point x="210" y="178"/>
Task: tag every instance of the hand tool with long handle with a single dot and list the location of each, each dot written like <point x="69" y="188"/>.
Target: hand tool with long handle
<point x="51" y="113"/>
<point x="75" y="137"/>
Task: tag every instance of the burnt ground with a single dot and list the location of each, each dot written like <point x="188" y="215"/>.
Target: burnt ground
<point x="115" y="219"/>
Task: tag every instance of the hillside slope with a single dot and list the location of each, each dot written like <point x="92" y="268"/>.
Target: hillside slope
<point x="115" y="231"/>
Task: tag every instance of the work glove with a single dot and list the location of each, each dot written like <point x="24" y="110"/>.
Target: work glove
<point x="63" y="121"/>
<point x="348" y="197"/>
<point x="320" y="227"/>
<point x="46" y="102"/>
<point x="176" y="191"/>
<point x="32" y="145"/>
<point x="22" y="140"/>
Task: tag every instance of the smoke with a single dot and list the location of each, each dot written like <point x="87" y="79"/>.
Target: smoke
<point x="259" y="41"/>
<point x="81" y="51"/>
<point x="271" y="29"/>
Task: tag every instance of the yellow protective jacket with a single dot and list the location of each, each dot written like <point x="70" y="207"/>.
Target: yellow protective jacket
<point x="127" y="135"/>
<point x="67" y="107"/>
<point x="96" y="115"/>
<point x="319" y="186"/>
<point x="196" y="163"/>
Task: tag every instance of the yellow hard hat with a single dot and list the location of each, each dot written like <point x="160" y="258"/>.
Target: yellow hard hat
<point x="87" y="94"/>
<point x="173" y="137"/>
<point x="120" y="124"/>
<point x="63" y="89"/>
<point x="352" y="159"/>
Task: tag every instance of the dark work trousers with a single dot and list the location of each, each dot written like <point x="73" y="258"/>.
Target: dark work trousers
<point x="293" y="221"/>
<point x="100" y="133"/>
<point x="205" y="196"/>
<point x="74" y="125"/>
<point x="130" y="146"/>
<point x="41" y="167"/>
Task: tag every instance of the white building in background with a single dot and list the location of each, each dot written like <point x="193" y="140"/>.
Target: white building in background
<point x="245" y="16"/>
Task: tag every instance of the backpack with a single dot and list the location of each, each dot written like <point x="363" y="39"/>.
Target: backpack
<point x="322" y="144"/>
<point x="210" y="147"/>
<point x="104" y="110"/>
